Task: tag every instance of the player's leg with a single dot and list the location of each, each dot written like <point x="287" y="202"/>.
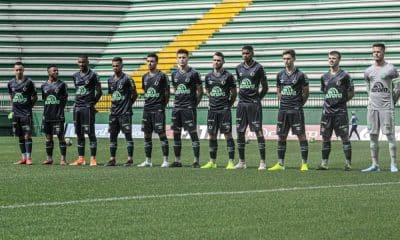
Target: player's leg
<point x="326" y="130"/>
<point x="27" y="129"/>
<point x="159" y="128"/>
<point x="190" y="124"/>
<point x="147" y="129"/>
<point x="177" y="131"/>
<point x="78" y="117"/>
<point x="356" y="132"/>
<point x="62" y="145"/>
<point x="48" y="131"/>
<point x="17" y="128"/>
<point x="373" y="124"/>
<point x="113" y="129"/>
<point x="341" y="129"/>
<point x="92" y="136"/>
<point x="388" y="126"/>
<point x="282" y="130"/>
<point x="226" y="129"/>
<point x="213" y="122"/>
<point x="255" y="120"/>
<point x="298" y="128"/>
<point x="241" y="125"/>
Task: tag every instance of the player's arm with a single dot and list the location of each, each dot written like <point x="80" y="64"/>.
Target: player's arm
<point x="34" y="96"/>
<point x="207" y="86"/>
<point x="350" y="88"/>
<point x="199" y="89"/>
<point x="233" y="92"/>
<point x="278" y="88"/>
<point x="306" y="89"/>
<point x="64" y="96"/>
<point x="264" y="85"/>
<point x="99" y="93"/>
<point x="368" y="82"/>
<point x="396" y="86"/>
<point x="134" y="94"/>
<point x="166" y="91"/>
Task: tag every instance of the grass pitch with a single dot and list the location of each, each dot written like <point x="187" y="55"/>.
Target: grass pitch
<point x="63" y="202"/>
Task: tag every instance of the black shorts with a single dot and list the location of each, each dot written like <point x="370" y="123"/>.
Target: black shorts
<point x="84" y="120"/>
<point x="219" y="120"/>
<point x="53" y="127"/>
<point x="22" y="125"/>
<point x="153" y="121"/>
<point x="249" y="114"/>
<point x="337" y="122"/>
<point x="120" y="123"/>
<point x="290" y="119"/>
<point x="186" y="118"/>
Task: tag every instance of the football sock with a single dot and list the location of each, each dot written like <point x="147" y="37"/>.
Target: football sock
<point x="195" y="145"/>
<point x="28" y="146"/>
<point x="261" y="147"/>
<point x="213" y="145"/>
<point x="241" y="143"/>
<point x="81" y="146"/>
<point x="231" y="148"/>
<point x="49" y="149"/>
<point x="326" y="150"/>
<point x="130" y="146"/>
<point x="392" y="148"/>
<point x="148" y="147"/>
<point x="374" y="146"/>
<point x="22" y="147"/>
<point x="164" y="146"/>
<point x="113" y="145"/>
<point x="281" y="149"/>
<point x="347" y="151"/>
<point x="63" y="149"/>
<point x="304" y="151"/>
<point x="177" y="144"/>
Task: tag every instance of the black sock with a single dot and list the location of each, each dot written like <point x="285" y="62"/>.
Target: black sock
<point x="81" y="146"/>
<point x="22" y="146"/>
<point x="304" y="151"/>
<point x="113" y="145"/>
<point x="195" y="145"/>
<point x="63" y="148"/>
<point x="281" y="149"/>
<point x="230" y="143"/>
<point x="164" y="146"/>
<point x="347" y="151"/>
<point x="326" y="150"/>
<point x="177" y="144"/>
<point x="213" y="145"/>
<point x="93" y="145"/>
<point x="49" y="148"/>
<point x="261" y="147"/>
<point x="241" y="143"/>
<point x="130" y="146"/>
<point x="148" y="146"/>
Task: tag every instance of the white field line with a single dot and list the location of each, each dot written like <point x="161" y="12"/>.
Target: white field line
<point x="194" y="194"/>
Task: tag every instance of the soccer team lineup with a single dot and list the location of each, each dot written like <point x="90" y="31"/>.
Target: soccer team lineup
<point x="247" y="86"/>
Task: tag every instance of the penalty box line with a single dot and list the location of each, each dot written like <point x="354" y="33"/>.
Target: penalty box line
<point x="193" y="194"/>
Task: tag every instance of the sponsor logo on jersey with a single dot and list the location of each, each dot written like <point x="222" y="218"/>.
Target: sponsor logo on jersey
<point x="51" y="100"/>
<point x="333" y="93"/>
<point x="81" y="91"/>
<point x="151" y="93"/>
<point x="182" y="89"/>
<point x="19" y="98"/>
<point x="288" y="91"/>
<point x="246" y="84"/>
<point x="117" y="96"/>
<point x="379" y="87"/>
<point x="217" y="92"/>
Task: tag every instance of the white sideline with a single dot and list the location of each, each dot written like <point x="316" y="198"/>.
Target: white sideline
<point x="140" y="197"/>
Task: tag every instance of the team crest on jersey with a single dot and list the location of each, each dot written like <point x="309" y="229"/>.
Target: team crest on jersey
<point x="187" y="80"/>
<point x="223" y="81"/>
<point x="252" y="74"/>
<point x="24" y="89"/>
<point x="81" y="91"/>
<point x="86" y="82"/>
<point x="338" y="82"/>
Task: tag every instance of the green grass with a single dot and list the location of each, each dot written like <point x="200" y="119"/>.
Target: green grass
<point x="353" y="212"/>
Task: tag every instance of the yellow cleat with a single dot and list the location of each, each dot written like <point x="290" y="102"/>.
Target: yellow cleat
<point x="209" y="165"/>
<point x="276" y="167"/>
<point x="304" y="167"/>
<point x="230" y="165"/>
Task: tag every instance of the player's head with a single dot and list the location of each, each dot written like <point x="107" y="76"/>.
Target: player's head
<point x="334" y="58"/>
<point x="52" y="71"/>
<point x="289" y="56"/>
<point x="152" y="61"/>
<point x="247" y="53"/>
<point x="19" y="70"/>
<point x="218" y="60"/>
<point x="117" y="64"/>
<point x="83" y="62"/>
<point x="182" y="57"/>
<point x="378" y="51"/>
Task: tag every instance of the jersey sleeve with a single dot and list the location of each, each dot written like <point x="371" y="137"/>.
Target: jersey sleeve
<point x="206" y="83"/>
<point x="32" y="89"/>
<point x="349" y="82"/>
<point x="322" y="88"/>
<point x="232" y="82"/>
<point x="109" y="86"/>
<point x="278" y="82"/>
<point x="43" y="93"/>
<point x="197" y="78"/>
<point x="9" y="88"/>
<point x="305" y="79"/>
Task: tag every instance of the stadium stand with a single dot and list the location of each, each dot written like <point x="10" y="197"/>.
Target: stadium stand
<point x="55" y="32"/>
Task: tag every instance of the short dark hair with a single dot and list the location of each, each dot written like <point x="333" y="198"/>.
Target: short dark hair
<point x="153" y="55"/>
<point x="182" y="51"/>
<point x="117" y="59"/>
<point x="51" y="65"/>
<point x="84" y="56"/>
<point x="19" y="63"/>
<point x="220" y="54"/>
<point x="337" y="53"/>
<point x="248" y="48"/>
<point x="381" y="45"/>
<point x="292" y="52"/>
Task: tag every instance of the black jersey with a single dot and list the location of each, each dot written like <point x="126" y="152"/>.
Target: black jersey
<point x="55" y="97"/>
<point x="335" y="88"/>
<point x="154" y="87"/>
<point x="21" y="93"/>
<point x="85" y="88"/>
<point x="185" y="84"/>
<point x="219" y="86"/>
<point x="291" y="86"/>
<point x="121" y="91"/>
<point x="249" y="80"/>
